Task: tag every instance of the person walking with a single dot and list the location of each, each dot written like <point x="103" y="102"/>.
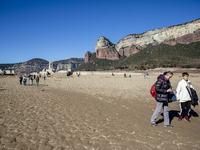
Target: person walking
<point x="37" y="80"/>
<point x="44" y="77"/>
<point x="20" y="80"/>
<point x="162" y="89"/>
<point x="31" y="80"/>
<point x="24" y="80"/>
<point x="147" y="75"/>
<point x="184" y="97"/>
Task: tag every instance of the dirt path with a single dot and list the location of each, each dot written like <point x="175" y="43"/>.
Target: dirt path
<point x="91" y="113"/>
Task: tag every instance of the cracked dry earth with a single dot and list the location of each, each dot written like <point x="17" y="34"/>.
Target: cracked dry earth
<point x="90" y="113"/>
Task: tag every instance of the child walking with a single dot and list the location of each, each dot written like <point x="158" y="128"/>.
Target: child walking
<point x="183" y="97"/>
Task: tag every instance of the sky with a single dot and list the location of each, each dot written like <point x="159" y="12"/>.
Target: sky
<point x="62" y="29"/>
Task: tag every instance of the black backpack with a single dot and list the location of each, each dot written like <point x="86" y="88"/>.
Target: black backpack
<point x="193" y="95"/>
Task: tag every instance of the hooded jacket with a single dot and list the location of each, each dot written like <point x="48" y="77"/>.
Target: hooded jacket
<point x="181" y="91"/>
<point x="161" y="88"/>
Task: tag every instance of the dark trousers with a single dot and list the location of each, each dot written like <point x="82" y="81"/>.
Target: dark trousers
<point x="185" y="108"/>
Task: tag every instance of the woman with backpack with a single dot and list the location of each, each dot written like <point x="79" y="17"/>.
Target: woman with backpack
<point x="162" y="88"/>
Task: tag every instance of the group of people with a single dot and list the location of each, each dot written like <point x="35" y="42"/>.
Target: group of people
<point x="162" y="88"/>
<point x="31" y="78"/>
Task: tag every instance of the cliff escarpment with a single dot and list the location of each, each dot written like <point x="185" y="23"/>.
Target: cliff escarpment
<point x="159" y="56"/>
<point x="67" y="64"/>
<point x="183" y="34"/>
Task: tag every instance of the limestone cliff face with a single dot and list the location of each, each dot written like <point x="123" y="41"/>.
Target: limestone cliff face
<point x="103" y="43"/>
<point x="68" y="64"/>
<point x="184" y="33"/>
<point x="105" y="49"/>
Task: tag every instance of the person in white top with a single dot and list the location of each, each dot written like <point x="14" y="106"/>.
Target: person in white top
<point x="183" y="97"/>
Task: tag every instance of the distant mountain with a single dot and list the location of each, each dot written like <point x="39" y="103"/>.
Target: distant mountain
<point x="37" y="60"/>
<point x="37" y="65"/>
<point x="162" y="55"/>
<point x="5" y="66"/>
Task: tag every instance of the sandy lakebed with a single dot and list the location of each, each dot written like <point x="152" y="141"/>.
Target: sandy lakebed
<point x="91" y="113"/>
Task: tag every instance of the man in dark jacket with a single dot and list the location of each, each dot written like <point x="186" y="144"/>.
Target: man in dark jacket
<point x="162" y="88"/>
<point x="37" y="80"/>
<point x="20" y="80"/>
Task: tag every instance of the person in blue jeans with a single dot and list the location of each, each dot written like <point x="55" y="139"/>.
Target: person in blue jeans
<point x="24" y="80"/>
<point x="162" y="88"/>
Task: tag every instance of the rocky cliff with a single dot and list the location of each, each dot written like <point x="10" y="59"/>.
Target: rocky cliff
<point x="105" y="49"/>
<point x="88" y="55"/>
<point x="158" y="56"/>
<point x="184" y="34"/>
<point x="67" y="64"/>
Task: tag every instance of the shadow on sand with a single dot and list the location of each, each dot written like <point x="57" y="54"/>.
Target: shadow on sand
<point x="2" y="89"/>
<point x="175" y="113"/>
<point x="36" y="85"/>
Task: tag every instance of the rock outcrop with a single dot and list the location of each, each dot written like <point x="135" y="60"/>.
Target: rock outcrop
<point x="88" y="55"/>
<point x="105" y="49"/>
<point x="68" y="64"/>
<point x="184" y="33"/>
<point x="107" y="53"/>
<point x="103" y="43"/>
<point x="127" y="51"/>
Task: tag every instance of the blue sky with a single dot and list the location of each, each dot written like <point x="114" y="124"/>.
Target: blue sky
<point x="61" y="29"/>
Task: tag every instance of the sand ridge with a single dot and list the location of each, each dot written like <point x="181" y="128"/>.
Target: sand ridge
<point x="90" y="112"/>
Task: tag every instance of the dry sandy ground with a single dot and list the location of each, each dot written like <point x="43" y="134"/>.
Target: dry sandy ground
<point x="92" y="113"/>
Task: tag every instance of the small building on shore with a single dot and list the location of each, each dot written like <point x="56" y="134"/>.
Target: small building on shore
<point x="7" y="72"/>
